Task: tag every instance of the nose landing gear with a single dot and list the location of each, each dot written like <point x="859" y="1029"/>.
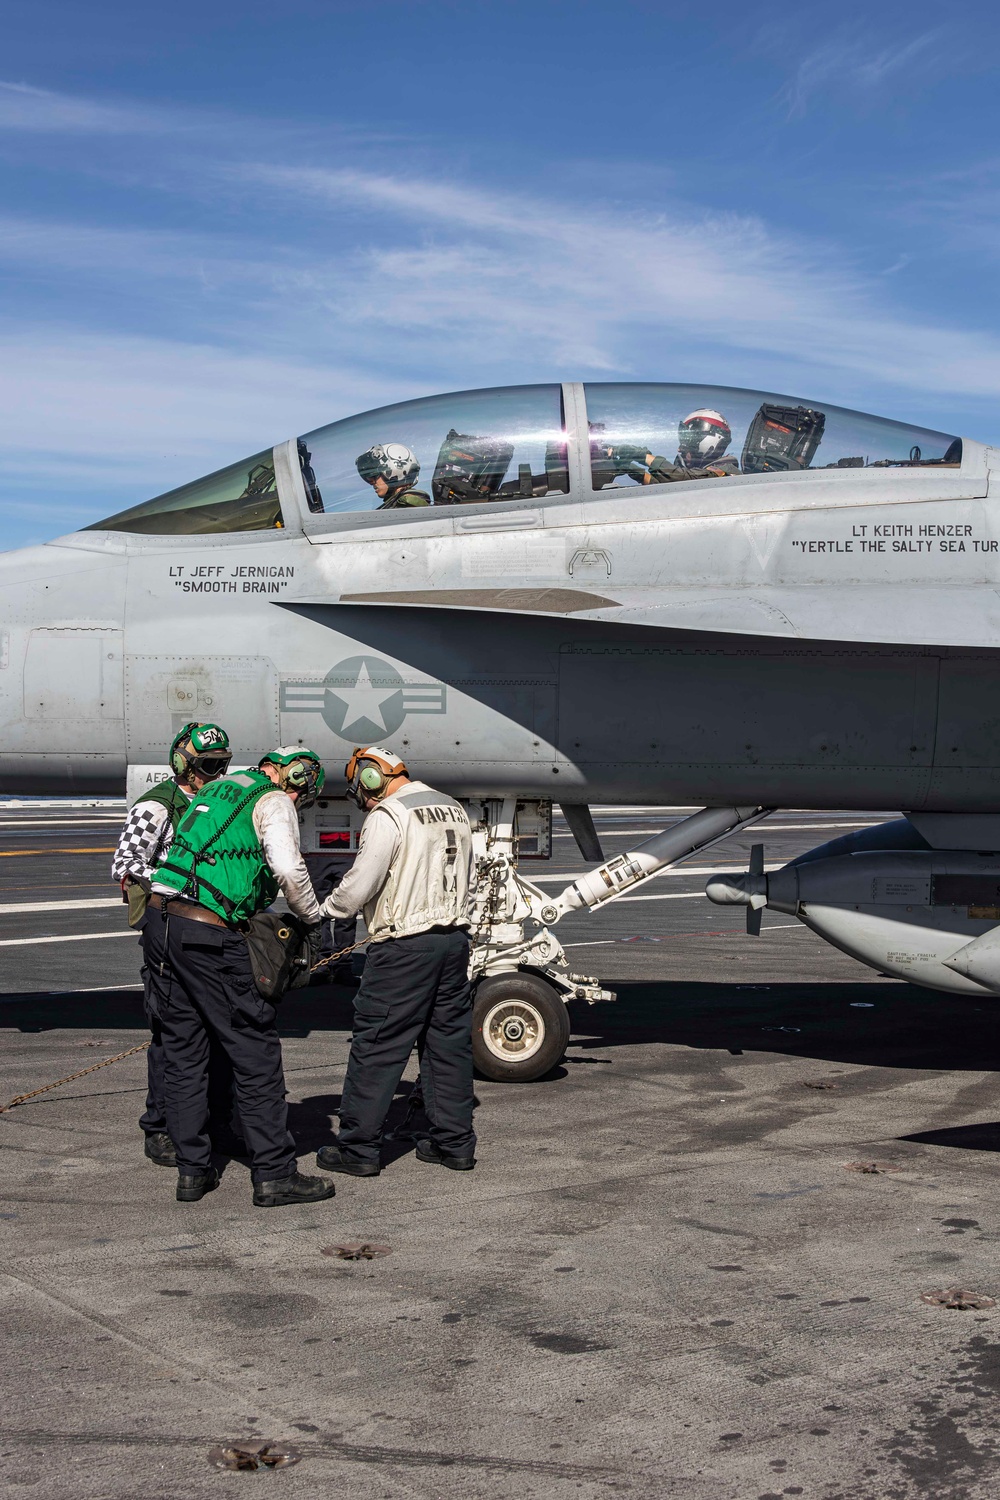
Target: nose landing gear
<point x="520" y="1023"/>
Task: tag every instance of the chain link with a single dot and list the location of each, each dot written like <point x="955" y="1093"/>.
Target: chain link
<point x="71" y="1077"/>
<point x="489" y="904"/>
<point x="144" y="1046"/>
<point x="341" y="953"/>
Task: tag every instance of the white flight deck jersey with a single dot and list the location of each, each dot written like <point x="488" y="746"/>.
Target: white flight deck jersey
<point x="427" y="884"/>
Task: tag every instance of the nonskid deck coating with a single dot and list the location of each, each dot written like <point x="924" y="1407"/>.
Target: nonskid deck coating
<point x="660" y="1280"/>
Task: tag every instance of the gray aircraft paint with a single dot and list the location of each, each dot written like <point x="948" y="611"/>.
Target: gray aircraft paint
<point x="769" y="639"/>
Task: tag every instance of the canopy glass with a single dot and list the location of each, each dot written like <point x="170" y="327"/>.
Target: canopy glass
<point x="243" y="497"/>
<point x="464" y="448"/>
<point x="654" y="434"/>
<point x="509" y="443"/>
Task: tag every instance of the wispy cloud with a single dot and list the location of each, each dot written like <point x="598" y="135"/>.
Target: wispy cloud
<point x="856" y="64"/>
<point x="40" y="110"/>
<point x="604" y="291"/>
<point x="90" y="412"/>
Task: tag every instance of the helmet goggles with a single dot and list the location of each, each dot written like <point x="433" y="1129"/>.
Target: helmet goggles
<point x="392" y="462"/>
<point x="202" y="749"/>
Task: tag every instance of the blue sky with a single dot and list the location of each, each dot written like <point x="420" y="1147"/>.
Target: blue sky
<point x="225" y="223"/>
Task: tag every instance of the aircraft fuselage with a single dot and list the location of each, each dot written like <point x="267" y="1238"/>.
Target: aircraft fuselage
<point x="815" y="640"/>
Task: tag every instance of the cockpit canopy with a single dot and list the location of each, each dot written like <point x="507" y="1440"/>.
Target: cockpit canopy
<point x="471" y="447"/>
<point x="693" y="428"/>
<point x="511" y="443"/>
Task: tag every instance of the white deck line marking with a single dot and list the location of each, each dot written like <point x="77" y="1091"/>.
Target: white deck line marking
<point x="674" y="870"/>
<point x="606" y="942"/>
<point x="766" y="827"/>
<point x="56" y="823"/>
<point x="666" y="896"/>
<point x="628" y="833"/>
<point x="56" y="804"/>
<point x="76" y="937"/>
<point x="16" y="907"/>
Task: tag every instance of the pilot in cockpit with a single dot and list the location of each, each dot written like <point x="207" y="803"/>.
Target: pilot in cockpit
<point x="702" y="439"/>
<point x="391" y="469"/>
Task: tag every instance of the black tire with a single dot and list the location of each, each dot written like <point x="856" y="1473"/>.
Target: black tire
<point x="520" y="1027"/>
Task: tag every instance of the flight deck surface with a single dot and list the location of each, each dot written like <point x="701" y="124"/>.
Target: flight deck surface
<point x="662" y="1278"/>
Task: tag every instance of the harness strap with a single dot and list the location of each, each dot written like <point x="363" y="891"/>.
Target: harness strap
<point x="193" y="880"/>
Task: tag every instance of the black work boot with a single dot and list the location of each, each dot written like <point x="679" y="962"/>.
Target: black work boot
<point x="332" y="1159"/>
<point x="428" y="1151"/>
<point x="294" y="1189"/>
<point x="193" y="1186"/>
<point x="160" y="1149"/>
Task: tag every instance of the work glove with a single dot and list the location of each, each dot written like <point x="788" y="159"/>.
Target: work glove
<point x="314" y="937"/>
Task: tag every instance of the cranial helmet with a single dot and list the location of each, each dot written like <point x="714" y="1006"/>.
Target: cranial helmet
<point x="203" y="748"/>
<point x="703" y="437"/>
<point x="369" y="771"/>
<point x="299" y="770"/>
<point x="389" y="461"/>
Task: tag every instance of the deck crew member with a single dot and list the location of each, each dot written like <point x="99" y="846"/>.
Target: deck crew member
<point x="411" y="878"/>
<point x="234" y="849"/>
<point x="199" y="754"/>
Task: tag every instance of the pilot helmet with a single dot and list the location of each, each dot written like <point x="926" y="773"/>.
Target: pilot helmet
<point x="703" y="438"/>
<point x="392" y="462"/>
<point x="203" y="748"/>
<point x="299" y="770"/>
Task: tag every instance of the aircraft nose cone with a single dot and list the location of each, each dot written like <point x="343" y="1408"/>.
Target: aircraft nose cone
<point x="728" y="890"/>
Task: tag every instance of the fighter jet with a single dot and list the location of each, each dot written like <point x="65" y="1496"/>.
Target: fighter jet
<point x="570" y="594"/>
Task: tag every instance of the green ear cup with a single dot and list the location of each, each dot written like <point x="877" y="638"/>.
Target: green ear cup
<point x="299" y="769"/>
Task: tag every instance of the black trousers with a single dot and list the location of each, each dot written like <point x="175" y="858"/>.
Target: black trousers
<point x="414" y="989"/>
<point x="200" y="990"/>
<point x="223" y="1111"/>
<point x="154" y="1116"/>
<point x="326" y="872"/>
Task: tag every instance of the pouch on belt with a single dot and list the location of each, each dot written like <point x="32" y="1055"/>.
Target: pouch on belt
<point x="279" y="953"/>
<point x="137" y="897"/>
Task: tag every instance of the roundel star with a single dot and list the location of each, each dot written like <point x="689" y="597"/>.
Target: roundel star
<point x="367" y="706"/>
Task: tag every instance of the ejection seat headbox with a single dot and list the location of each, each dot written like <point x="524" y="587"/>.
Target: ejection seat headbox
<point x="781" y="438"/>
<point x="470" y="469"/>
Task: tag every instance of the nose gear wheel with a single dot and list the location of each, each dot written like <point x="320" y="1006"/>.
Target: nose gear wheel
<point x="513" y="1030"/>
<point x="520" y="1027"/>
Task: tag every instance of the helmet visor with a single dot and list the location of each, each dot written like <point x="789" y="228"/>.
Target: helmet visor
<point x="368" y="466"/>
<point x="703" y="438"/>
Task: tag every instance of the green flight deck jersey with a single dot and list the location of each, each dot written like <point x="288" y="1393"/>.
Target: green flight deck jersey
<point x="171" y="796"/>
<point x="216" y="857"/>
<point x="405" y="497"/>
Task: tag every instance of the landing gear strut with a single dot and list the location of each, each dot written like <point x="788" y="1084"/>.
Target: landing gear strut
<point x="522" y="982"/>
